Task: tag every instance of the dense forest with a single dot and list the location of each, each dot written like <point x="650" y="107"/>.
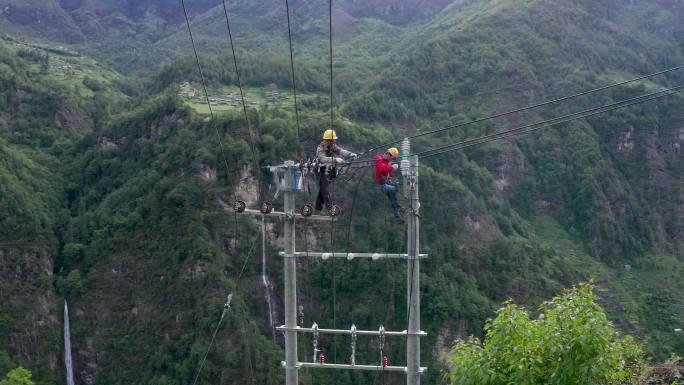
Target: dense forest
<point x="114" y="194"/>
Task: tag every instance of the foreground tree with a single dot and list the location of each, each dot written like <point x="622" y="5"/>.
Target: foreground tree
<point x="570" y="343"/>
<point x="18" y="376"/>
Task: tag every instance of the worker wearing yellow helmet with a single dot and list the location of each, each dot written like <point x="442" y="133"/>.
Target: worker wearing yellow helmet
<point x="384" y="178"/>
<point x="329" y="154"/>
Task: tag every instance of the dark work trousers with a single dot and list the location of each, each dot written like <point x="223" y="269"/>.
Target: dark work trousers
<point x="323" y="199"/>
<point x="390" y="189"/>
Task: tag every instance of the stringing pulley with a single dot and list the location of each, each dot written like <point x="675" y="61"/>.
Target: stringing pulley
<point x="239" y="206"/>
<point x="266" y="207"/>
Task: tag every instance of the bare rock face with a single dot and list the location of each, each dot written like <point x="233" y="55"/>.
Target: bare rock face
<point x="106" y="143"/>
<point x="450" y="332"/>
<point x="679" y="140"/>
<point x="208" y="174"/>
<point x="477" y="233"/>
<point x="626" y="140"/>
<point x="87" y="357"/>
<point x="31" y="308"/>
<point x="162" y="125"/>
<point x="199" y="270"/>
<point x="72" y="117"/>
<point x="247" y="190"/>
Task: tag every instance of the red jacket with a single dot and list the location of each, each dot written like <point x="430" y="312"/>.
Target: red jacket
<point x="383" y="168"/>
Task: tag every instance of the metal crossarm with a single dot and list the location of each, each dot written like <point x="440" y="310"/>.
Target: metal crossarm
<point x="294" y="215"/>
<point x="348" y="331"/>
<point x="378" y="368"/>
<point x="349" y="256"/>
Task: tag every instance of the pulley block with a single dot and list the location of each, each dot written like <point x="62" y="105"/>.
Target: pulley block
<point x="239" y="206"/>
<point x="306" y="210"/>
<point x="266" y="207"/>
<point x="334" y="210"/>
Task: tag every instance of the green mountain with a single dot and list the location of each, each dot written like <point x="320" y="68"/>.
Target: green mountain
<point x="115" y="195"/>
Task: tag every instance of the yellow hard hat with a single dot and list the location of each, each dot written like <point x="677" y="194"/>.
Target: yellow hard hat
<point x="393" y="151"/>
<point x="330" y="134"/>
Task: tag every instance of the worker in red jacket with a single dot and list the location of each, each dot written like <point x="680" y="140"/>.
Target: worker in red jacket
<point x="384" y="178"/>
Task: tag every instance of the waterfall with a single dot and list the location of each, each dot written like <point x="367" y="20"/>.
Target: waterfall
<point x="67" y="348"/>
<point x="264" y="277"/>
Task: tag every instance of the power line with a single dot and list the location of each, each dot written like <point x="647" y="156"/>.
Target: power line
<point x="244" y="105"/>
<point x="552" y="122"/>
<point x="199" y="66"/>
<point x="204" y="87"/>
<point x="227" y="305"/>
<point x="332" y="185"/>
<point x="422" y="153"/>
<point x="332" y="91"/>
<point x="211" y="112"/>
<point x="549" y="102"/>
<point x="294" y="82"/>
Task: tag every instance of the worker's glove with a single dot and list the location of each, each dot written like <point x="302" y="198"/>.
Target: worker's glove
<point x="353" y="155"/>
<point x="395" y="167"/>
<point x="339" y="160"/>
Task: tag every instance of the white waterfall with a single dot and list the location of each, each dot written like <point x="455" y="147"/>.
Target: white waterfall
<point x="67" y="348"/>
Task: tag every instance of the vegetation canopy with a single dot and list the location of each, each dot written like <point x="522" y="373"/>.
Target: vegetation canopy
<point x="570" y="342"/>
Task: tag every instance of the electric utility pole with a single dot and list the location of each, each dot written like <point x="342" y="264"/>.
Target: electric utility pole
<point x="289" y="177"/>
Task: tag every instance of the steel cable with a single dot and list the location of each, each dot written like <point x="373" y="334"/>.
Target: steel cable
<point x="252" y="138"/>
<point x="552" y="122"/>
<point x="294" y="82"/>
<point x="546" y="103"/>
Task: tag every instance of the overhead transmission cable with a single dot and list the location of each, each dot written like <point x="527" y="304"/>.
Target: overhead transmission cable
<point x="204" y="86"/>
<point x="211" y="112"/>
<point x="294" y="80"/>
<point x="252" y="135"/>
<point x="546" y="103"/>
<point x="552" y="122"/>
<point x="227" y="305"/>
<point x="332" y="183"/>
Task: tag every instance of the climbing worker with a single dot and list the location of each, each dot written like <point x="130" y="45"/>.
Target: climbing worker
<point x="384" y="178"/>
<point x="329" y="154"/>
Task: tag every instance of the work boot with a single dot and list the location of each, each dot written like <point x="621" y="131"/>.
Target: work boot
<point x="401" y="221"/>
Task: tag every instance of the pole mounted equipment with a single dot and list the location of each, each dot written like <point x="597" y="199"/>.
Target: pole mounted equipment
<point x="316" y="336"/>
<point x="289" y="176"/>
<point x="354" y="337"/>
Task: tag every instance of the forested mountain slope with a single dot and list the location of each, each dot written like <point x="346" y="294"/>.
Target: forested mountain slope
<point x="114" y="195"/>
<point x="136" y="35"/>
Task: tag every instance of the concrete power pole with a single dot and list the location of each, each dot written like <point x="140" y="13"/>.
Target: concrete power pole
<point x="413" y="277"/>
<point x="289" y="176"/>
<point x="290" y="277"/>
